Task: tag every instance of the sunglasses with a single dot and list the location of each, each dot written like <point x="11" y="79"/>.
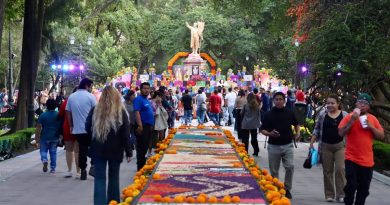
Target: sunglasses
<point x="363" y="102"/>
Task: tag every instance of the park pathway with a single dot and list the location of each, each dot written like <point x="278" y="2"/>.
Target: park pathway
<point x="23" y="182"/>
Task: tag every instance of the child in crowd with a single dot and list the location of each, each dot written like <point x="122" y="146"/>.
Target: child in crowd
<point x="47" y="134"/>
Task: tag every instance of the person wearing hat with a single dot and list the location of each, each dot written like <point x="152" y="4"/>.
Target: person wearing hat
<point x="360" y="129"/>
<point x="300" y="107"/>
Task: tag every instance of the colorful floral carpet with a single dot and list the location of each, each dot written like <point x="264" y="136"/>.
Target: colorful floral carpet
<point x="205" y="163"/>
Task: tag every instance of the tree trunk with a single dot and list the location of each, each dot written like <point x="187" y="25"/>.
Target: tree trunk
<point x="2" y="11"/>
<point x="32" y="30"/>
<point x="381" y="108"/>
<point x="38" y="26"/>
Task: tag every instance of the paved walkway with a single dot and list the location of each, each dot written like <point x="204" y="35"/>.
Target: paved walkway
<point x="308" y="186"/>
<point x="23" y="182"/>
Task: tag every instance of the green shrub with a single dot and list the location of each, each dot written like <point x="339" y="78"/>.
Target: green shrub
<point x="305" y="133"/>
<point x="310" y="124"/>
<point x="5" y="122"/>
<point x="17" y="141"/>
<point x="382" y="155"/>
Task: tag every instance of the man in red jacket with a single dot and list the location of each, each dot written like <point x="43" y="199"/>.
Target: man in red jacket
<point x="215" y="103"/>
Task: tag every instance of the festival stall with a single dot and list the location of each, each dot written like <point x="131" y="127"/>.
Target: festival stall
<point x="203" y="165"/>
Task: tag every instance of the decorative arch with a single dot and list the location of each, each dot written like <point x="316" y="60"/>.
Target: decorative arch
<point x="205" y="56"/>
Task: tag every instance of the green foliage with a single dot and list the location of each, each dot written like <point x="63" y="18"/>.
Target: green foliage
<point x="382" y="155"/>
<point x="5" y="122"/>
<point x="17" y="141"/>
<point x="16" y="46"/>
<point x="353" y="35"/>
<point x="153" y="31"/>
<point x="14" y="10"/>
<point x="105" y="60"/>
<point x="305" y="132"/>
<point x="310" y="123"/>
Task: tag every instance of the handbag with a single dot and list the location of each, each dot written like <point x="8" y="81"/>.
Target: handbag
<point x="314" y="157"/>
<point x="307" y="163"/>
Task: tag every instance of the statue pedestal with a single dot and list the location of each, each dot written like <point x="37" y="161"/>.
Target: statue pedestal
<point x="194" y="64"/>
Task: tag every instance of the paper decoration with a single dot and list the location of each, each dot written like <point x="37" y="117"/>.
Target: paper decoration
<point x="201" y="83"/>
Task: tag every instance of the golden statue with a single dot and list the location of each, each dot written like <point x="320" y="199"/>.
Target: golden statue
<point x="196" y="36"/>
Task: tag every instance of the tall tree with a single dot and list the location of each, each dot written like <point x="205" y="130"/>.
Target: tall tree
<point x="32" y="32"/>
<point x="352" y="39"/>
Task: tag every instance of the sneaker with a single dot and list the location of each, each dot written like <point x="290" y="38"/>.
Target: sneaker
<point x="83" y="175"/>
<point x="52" y="171"/>
<point x="340" y="199"/>
<point x="329" y="199"/>
<point x="68" y="175"/>
<point x="149" y="155"/>
<point x="288" y="194"/>
<point x="44" y="169"/>
<point x="92" y="171"/>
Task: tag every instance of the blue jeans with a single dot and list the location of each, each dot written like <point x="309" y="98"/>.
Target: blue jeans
<point x="187" y="116"/>
<point x="214" y="117"/>
<point x="102" y="194"/>
<point x="51" y="147"/>
<point x="200" y="114"/>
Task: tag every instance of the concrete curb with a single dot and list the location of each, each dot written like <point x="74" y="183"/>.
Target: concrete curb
<point x="382" y="178"/>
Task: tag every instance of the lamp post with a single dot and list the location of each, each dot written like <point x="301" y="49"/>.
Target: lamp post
<point x="247" y="62"/>
<point x="72" y="40"/>
<point x="296" y="43"/>
<point x="11" y="56"/>
<point x="304" y="72"/>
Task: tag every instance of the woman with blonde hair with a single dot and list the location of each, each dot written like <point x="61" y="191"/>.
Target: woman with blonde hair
<point x="109" y="125"/>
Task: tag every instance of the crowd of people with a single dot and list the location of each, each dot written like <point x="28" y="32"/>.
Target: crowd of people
<point x="123" y="120"/>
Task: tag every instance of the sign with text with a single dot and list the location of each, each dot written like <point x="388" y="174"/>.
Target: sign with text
<point x="144" y="78"/>
<point x="248" y="77"/>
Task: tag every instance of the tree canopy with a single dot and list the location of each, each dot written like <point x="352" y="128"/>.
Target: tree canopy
<point x="344" y="44"/>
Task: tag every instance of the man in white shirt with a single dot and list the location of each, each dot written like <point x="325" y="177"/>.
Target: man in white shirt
<point x="78" y="107"/>
<point x="230" y="99"/>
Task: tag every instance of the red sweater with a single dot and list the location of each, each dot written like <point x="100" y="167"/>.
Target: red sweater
<point x="65" y="126"/>
<point x="215" y="103"/>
